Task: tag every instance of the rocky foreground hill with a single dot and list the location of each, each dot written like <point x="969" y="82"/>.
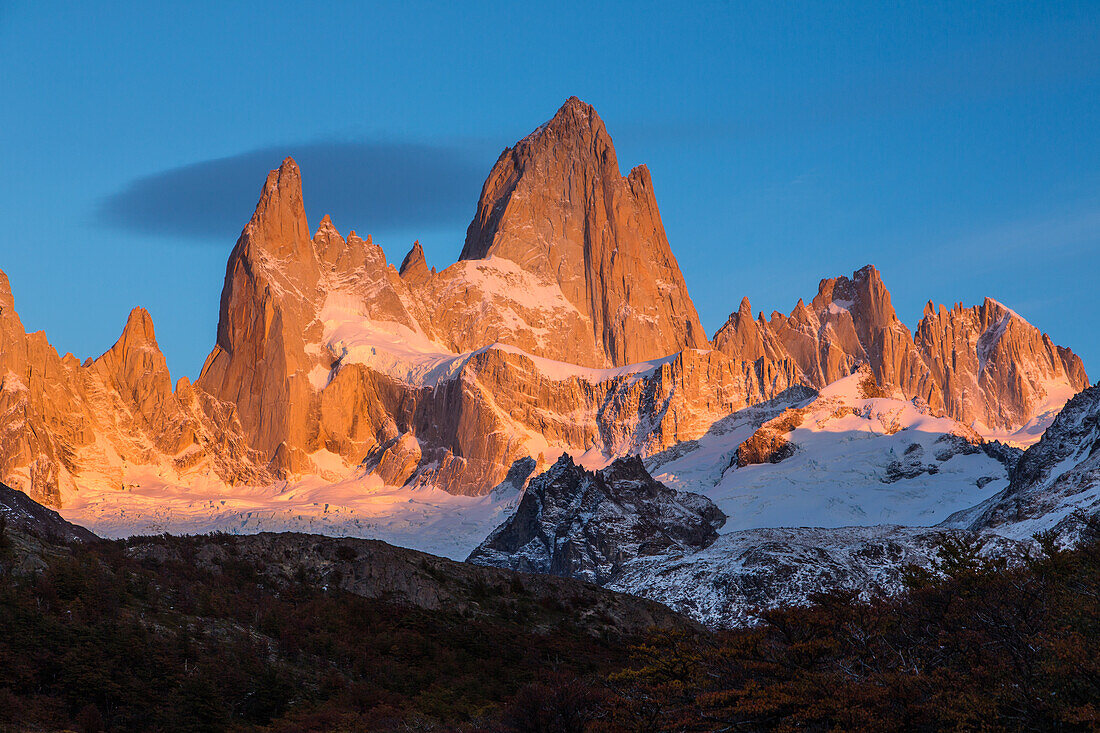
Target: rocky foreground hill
<point x="288" y="632"/>
<point x="285" y="632"/>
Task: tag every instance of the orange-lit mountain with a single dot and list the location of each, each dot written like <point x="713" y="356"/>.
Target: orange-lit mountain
<point x="556" y="205"/>
<point x="565" y="326"/>
<point x="985" y="366"/>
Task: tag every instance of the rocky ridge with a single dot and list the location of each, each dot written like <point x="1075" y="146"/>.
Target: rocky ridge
<point x="984" y="366"/>
<point x="404" y="577"/>
<point x="64" y="424"/>
<point x="584" y="524"/>
<point x="1055" y="484"/>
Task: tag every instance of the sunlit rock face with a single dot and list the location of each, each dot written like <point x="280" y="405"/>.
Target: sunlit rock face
<point x="64" y="424"/>
<point x="557" y="205"/>
<point x="583" y="342"/>
<point x="984" y="366"/>
<point x="989" y="366"/>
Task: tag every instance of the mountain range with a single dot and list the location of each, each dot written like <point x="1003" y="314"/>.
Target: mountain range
<point x="344" y="395"/>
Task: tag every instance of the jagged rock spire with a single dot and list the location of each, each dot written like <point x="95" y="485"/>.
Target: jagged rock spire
<point x="983" y="365"/>
<point x="414" y="267"/>
<point x="267" y="309"/>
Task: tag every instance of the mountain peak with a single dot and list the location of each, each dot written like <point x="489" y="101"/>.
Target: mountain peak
<point x="864" y="294"/>
<point x="867" y="272"/>
<point x="284" y="181"/>
<point x="414" y="266"/>
<point x="572" y="117"/>
<point x="557" y="205"/>
<point x="574" y="103"/>
<point x="999" y="309"/>
<point x="138" y="335"/>
<point x="325" y="225"/>
<point x="139" y="327"/>
<point x="278" y="225"/>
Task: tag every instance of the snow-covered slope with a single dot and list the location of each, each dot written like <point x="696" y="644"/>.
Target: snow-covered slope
<point x="850" y="459"/>
<point x="746" y="572"/>
<point x="420" y="518"/>
<point x="856" y="452"/>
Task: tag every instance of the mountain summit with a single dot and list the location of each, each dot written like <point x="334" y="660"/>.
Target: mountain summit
<point x="556" y="205"/>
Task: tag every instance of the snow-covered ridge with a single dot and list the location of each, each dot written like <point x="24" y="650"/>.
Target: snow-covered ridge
<point x="744" y="573"/>
<point x="415" y="359"/>
<point x="856" y="461"/>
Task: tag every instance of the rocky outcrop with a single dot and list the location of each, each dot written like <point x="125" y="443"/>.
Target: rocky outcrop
<point x="1055" y="485"/>
<point x="583" y="524"/>
<point x="557" y="205"/>
<point x="744" y="338"/>
<point x="769" y="442"/>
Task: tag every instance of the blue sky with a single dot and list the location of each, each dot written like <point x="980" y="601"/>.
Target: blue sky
<point x="955" y="145"/>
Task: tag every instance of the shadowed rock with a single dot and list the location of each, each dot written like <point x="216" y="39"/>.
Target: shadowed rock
<point x="583" y="524"/>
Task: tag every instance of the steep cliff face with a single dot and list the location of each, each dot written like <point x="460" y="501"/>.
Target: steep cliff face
<point x="267" y="317"/>
<point x="464" y="419"/>
<point x="557" y="205"/>
<point x="984" y="365"/>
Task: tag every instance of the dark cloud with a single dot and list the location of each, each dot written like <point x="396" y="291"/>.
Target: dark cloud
<point x="367" y="186"/>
